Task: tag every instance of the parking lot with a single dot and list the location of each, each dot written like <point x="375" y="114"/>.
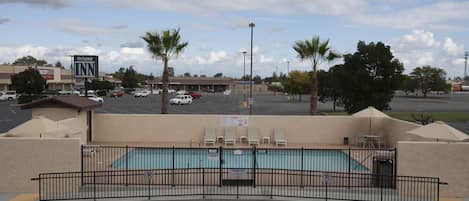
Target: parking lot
<point x="264" y="104"/>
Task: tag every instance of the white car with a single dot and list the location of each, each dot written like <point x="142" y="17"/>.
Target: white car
<point x="8" y="95"/>
<point x="170" y="91"/>
<point x="141" y="93"/>
<point x="181" y="100"/>
<point x="181" y="92"/>
<point x="95" y="98"/>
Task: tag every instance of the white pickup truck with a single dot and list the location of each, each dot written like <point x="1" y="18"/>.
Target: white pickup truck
<point x="7" y="95"/>
<point x="141" y="94"/>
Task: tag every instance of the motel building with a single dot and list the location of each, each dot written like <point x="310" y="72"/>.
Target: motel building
<point x="206" y="84"/>
<point x="57" y="78"/>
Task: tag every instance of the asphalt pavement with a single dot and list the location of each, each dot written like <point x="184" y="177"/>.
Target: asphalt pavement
<point x="264" y="104"/>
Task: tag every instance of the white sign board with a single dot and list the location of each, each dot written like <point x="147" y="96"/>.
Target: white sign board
<point x="85" y="66"/>
<point x="237" y="172"/>
<point x="238" y="121"/>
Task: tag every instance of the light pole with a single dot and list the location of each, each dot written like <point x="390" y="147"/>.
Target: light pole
<point x="288" y="67"/>
<point x="250" y="76"/>
<point x="465" y="66"/>
<point x="244" y="75"/>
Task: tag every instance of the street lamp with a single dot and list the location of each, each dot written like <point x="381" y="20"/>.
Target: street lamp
<point x="251" y="25"/>
<point x="288" y="67"/>
<point x="244" y="75"/>
<point x="465" y="66"/>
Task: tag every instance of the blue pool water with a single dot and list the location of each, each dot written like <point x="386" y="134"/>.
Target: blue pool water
<point x="318" y="160"/>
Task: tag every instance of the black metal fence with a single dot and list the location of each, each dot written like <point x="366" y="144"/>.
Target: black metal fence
<point x="126" y="158"/>
<point x="237" y="182"/>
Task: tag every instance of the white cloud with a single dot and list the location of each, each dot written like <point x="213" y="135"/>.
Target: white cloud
<point x="79" y="27"/>
<point x="452" y="48"/>
<point x="423" y="48"/>
<point x="418" y="39"/>
<point x="55" y="4"/>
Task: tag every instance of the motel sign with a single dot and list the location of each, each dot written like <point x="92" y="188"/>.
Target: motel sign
<point x="85" y="66"/>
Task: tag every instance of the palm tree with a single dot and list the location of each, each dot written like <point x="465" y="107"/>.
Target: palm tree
<point x="315" y="51"/>
<point x="164" y="45"/>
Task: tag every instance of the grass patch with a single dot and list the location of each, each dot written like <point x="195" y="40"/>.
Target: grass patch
<point x="437" y="116"/>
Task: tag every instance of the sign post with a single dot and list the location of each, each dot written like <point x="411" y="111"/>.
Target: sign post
<point x="85" y="66"/>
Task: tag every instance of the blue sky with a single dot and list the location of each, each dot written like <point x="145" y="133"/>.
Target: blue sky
<point x="420" y="32"/>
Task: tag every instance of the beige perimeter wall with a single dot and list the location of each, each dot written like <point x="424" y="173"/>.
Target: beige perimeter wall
<point x="448" y="161"/>
<point x="24" y="158"/>
<point x="183" y="129"/>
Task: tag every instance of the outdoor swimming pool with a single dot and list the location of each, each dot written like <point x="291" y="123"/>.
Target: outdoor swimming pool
<point x="315" y="160"/>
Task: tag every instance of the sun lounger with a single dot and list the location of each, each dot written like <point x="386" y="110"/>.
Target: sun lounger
<point x="279" y="137"/>
<point x="230" y="136"/>
<point x="210" y="137"/>
<point x="253" y="136"/>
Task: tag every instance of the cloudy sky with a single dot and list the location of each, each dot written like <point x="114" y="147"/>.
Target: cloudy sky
<point x="420" y="32"/>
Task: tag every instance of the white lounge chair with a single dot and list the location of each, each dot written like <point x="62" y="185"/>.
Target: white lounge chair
<point x="230" y="136"/>
<point x="210" y="136"/>
<point x="253" y="136"/>
<point x="279" y="137"/>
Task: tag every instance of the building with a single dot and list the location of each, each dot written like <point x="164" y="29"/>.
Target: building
<point x="57" y="78"/>
<point x="208" y="84"/>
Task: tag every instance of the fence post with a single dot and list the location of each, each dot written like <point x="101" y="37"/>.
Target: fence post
<point x="220" y="165"/>
<point x="81" y="158"/>
<point x="126" y="165"/>
<point x="149" y="180"/>
<point x="438" y="189"/>
<point x="325" y="181"/>
<point x="94" y="185"/>
<point x="40" y="192"/>
<point x="172" y="171"/>
<point x="271" y="183"/>
<point x="349" y="165"/>
<point x="254" y="165"/>
<point x="203" y="183"/>
<point x="302" y="167"/>
<point x="395" y="168"/>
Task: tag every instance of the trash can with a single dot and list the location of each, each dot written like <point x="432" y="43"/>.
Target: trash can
<point x="383" y="169"/>
<point x="346" y="141"/>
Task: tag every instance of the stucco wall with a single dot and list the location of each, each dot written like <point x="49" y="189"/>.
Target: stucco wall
<point x="55" y="114"/>
<point x="24" y="158"/>
<point x="448" y="161"/>
<point x="395" y="130"/>
<point x="58" y="114"/>
<point x="186" y="128"/>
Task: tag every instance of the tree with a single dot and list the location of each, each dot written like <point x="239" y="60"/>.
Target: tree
<point x="408" y="85"/>
<point x="165" y="45"/>
<point x="29" y="60"/>
<point x="257" y="79"/>
<point x="218" y="75"/>
<point x="129" y="79"/>
<point x="329" y="88"/>
<point x="369" y="77"/>
<point x="297" y="82"/>
<point x="58" y="65"/>
<point x="187" y="74"/>
<point x="119" y="74"/>
<point x="316" y="52"/>
<point x="103" y="85"/>
<point x="428" y="79"/>
<point x="29" y="84"/>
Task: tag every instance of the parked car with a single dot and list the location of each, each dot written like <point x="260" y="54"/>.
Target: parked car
<point x="8" y="95"/>
<point x="117" y="94"/>
<point x="170" y="91"/>
<point x="194" y="95"/>
<point x="141" y="93"/>
<point x="95" y="98"/>
<point x="181" y="100"/>
<point x="181" y="92"/>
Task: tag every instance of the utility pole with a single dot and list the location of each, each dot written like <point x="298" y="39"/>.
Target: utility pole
<point x="465" y="66"/>
<point x="251" y="101"/>
<point x="244" y="76"/>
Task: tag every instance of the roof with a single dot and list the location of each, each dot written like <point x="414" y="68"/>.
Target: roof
<point x="71" y="101"/>
<point x="195" y="80"/>
<point x="440" y="130"/>
<point x="370" y="112"/>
